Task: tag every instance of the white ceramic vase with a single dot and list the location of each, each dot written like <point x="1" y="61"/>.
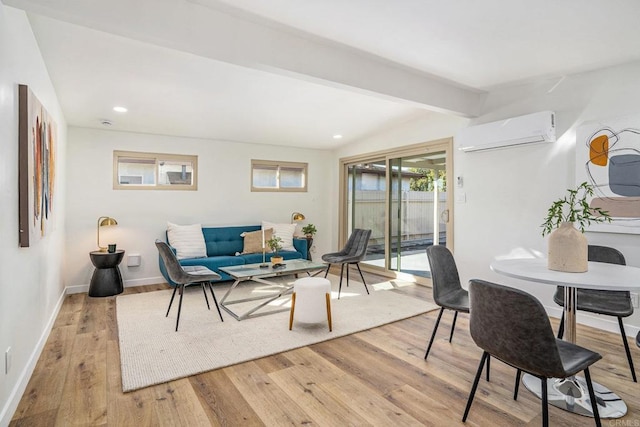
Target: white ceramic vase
<point x="567" y="249"/>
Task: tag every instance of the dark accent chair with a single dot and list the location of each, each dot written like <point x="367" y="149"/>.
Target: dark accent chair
<point x="447" y="291"/>
<point x="512" y="326"/>
<point x="610" y="303"/>
<point x="353" y="252"/>
<point x="184" y="276"/>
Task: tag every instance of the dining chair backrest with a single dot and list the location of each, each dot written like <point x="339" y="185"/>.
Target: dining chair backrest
<point x="357" y="244"/>
<point x="444" y="273"/>
<point x="605" y="254"/>
<point x="174" y="269"/>
<point x="513" y="326"/>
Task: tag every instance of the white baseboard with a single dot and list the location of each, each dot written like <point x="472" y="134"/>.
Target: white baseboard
<point x="6" y="413"/>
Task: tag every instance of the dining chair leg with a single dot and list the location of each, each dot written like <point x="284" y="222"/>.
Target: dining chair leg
<point x="592" y="396"/>
<point x="347" y="274"/>
<point x="488" y="366"/>
<point x="433" y="334"/>
<point x="340" y="285"/>
<point x="215" y="301"/>
<point x="475" y="386"/>
<point x="171" y="302"/>
<point x="453" y="325"/>
<point x="326" y="273"/>
<point x="517" y="385"/>
<point x="362" y="277"/>
<point x="179" y="306"/>
<point x="545" y="403"/>
<point x="626" y="348"/>
<point x="561" y="328"/>
<point x="204" y="291"/>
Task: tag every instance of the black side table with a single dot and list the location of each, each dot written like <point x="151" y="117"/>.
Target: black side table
<point x="309" y="244"/>
<point x="106" y="280"/>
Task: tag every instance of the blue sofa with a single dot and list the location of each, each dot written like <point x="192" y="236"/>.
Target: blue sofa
<point x="222" y="245"/>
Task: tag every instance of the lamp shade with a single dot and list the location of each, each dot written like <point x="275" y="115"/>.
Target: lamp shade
<point x="296" y="216"/>
<point x="104" y="221"/>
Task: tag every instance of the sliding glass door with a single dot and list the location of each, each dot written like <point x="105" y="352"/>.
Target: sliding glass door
<point x="401" y="196"/>
<point x="418" y="211"/>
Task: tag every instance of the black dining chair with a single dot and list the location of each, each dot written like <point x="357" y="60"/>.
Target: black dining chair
<point x="610" y="303"/>
<point x="185" y="276"/>
<point x="512" y="326"/>
<point x="447" y="291"/>
<point x="352" y="253"/>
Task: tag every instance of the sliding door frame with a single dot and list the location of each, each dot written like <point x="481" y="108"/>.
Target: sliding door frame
<point x="425" y="148"/>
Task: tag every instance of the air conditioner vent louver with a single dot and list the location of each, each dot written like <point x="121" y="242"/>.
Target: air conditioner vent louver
<point x="527" y="129"/>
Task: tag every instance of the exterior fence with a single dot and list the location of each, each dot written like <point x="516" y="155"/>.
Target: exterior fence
<point x="416" y="214"/>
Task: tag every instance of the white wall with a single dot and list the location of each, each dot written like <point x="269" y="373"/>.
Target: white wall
<point x="223" y="197"/>
<point x="31" y="286"/>
<point x="508" y="191"/>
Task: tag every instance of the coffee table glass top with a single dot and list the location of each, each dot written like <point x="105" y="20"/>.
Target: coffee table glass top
<point x="291" y="267"/>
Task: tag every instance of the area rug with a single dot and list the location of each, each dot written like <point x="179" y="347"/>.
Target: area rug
<point x="151" y="352"/>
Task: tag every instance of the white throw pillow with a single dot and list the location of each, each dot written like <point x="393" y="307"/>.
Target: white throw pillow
<point x="187" y="239"/>
<point x="283" y="231"/>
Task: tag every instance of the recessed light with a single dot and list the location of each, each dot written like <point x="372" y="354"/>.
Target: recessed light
<point x="337" y="136"/>
<point x="120" y="109"/>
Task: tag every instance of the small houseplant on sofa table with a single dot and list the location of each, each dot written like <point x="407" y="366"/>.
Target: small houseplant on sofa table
<point x="567" y="247"/>
<point x="275" y="244"/>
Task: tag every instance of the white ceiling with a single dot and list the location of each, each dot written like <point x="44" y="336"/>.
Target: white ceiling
<point x="296" y="72"/>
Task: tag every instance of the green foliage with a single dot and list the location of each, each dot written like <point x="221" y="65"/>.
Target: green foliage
<point x="309" y="230"/>
<point x="428" y="179"/>
<point x="574" y="208"/>
<point x="275" y="243"/>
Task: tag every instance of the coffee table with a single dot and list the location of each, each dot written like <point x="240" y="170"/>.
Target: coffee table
<point x="253" y="272"/>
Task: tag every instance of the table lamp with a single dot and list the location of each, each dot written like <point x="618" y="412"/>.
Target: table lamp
<point x="296" y="216"/>
<point x="104" y="221"/>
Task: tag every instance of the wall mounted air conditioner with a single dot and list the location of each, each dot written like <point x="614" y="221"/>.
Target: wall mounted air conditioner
<point x="527" y="129"/>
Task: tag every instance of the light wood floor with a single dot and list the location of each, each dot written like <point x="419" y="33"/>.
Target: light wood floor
<point x="375" y="377"/>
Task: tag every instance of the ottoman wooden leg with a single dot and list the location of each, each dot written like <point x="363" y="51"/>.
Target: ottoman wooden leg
<point x="328" y="295"/>
<point x="293" y="306"/>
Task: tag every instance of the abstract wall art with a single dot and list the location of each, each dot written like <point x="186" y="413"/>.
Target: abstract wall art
<point x="37" y="136"/>
<point x="608" y="157"/>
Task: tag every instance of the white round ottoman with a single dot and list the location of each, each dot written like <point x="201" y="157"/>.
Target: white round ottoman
<point x="311" y="301"/>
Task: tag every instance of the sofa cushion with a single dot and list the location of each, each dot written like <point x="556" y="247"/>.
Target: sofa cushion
<point x="188" y="240"/>
<point x="257" y="258"/>
<point x="253" y="240"/>
<point x="283" y="231"/>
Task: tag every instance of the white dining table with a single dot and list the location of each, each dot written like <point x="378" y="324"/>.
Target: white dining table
<point x="571" y="394"/>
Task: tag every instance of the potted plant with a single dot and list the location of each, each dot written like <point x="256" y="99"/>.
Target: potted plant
<point x="275" y="244"/>
<point x="567" y="248"/>
<point x="309" y="230"/>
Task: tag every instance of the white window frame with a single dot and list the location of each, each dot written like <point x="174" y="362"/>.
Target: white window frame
<point x="304" y="167"/>
<point x="156" y="157"/>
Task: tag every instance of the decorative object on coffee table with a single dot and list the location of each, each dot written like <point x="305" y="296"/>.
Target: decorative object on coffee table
<point x="275" y="243"/>
<point x="567" y="247"/>
<point x="104" y="221"/>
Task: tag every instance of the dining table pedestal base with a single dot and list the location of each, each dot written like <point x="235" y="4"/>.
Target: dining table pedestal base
<point x="572" y="394"/>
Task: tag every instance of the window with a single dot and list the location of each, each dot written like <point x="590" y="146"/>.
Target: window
<point x="278" y="176"/>
<point x="154" y="171"/>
